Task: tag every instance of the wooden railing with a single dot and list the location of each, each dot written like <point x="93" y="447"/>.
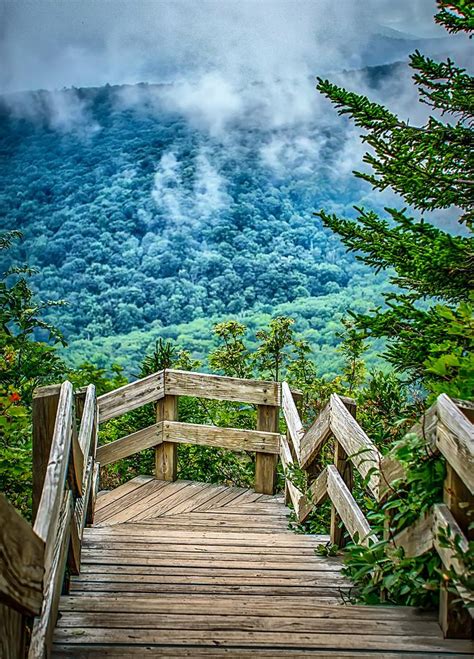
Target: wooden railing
<point x="65" y="478"/>
<point x="67" y="459"/>
<point x="164" y="388"/>
<point x="446" y="428"/>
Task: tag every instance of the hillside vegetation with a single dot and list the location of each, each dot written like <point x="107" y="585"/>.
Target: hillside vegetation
<point x="139" y="216"/>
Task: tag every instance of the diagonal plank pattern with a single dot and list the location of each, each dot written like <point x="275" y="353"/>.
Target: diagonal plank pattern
<point x="191" y="569"/>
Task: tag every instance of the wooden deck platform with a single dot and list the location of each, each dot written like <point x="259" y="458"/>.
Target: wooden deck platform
<point x="192" y="569"/>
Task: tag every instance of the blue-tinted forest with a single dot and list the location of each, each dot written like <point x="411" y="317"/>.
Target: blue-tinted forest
<point x="145" y="221"/>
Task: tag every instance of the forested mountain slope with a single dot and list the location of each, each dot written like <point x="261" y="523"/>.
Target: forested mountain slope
<point x="144" y="205"/>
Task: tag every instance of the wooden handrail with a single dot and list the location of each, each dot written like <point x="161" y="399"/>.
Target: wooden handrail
<point x="131" y="396"/>
<point x="65" y="505"/>
<point x="21" y="562"/>
<point x="163" y="388"/>
<point x="446" y="427"/>
<point x="234" y="439"/>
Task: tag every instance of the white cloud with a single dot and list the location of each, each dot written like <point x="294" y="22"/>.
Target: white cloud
<point x="181" y="203"/>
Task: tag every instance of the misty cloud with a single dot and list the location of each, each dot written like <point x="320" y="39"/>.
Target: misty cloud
<point x="50" y="44"/>
<point x="182" y="201"/>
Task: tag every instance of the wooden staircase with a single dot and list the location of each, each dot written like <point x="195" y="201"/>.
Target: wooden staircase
<point x="164" y="567"/>
<point x="192" y="569"/>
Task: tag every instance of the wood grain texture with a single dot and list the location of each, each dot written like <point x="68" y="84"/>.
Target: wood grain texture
<point x="296" y="496"/>
<point x="86" y="434"/>
<point x="129" y="445"/>
<point x="43" y="626"/>
<point x="166" y="456"/>
<point x="130" y="396"/>
<point x="218" y="387"/>
<point x="417" y="538"/>
<point x="361" y="450"/>
<point x="44" y="408"/>
<point x="454" y="618"/>
<point x="229" y="580"/>
<point x="292" y="418"/>
<point x="455" y="439"/>
<point x="230" y="438"/>
<point x="47" y="518"/>
<point x="315" y="437"/>
<point x="265" y="463"/>
<point x="21" y="562"/>
<point x="318" y="491"/>
<point x="344" y="467"/>
<point x="347" y="508"/>
<point x="79" y="518"/>
<point x="12" y="633"/>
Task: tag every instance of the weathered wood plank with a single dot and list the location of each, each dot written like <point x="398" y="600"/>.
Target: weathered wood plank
<point x="166" y="456"/>
<point x="197" y="620"/>
<point x="12" y="633"/>
<point x="21" y="561"/>
<point x="292" y="418"/>
<point x="79" y="520"/>
<point x="250" y="569"/>
<point x="130" y="396"/>
<point x="263" y="639"/>
<point x="44" y="408"/>
<point x="43" y="626"/>
<point x="47" y="518"/>
<point x="296" y="495"/>
<point x="320" y="580"/>
<point x="289" y="608"/>
<point x="106" y="497"/>
<point x="130" y="444"/>
<point x="361" y="450"/>
<point x="454" y="618"/>
<point x="230" y="438"/>
<point x="77" y="461"/>
<point x="344" y="467"/>
<point x="417" y="538"/>
<point x="315" y="437"/>
<point x="119" y="507"/>
<point x="93" y="494"/>
<point x="126" y="651"/>
<point x="212" y="589"/>
<point x="218" y="387"/>
<point x="347" y="508"/>
<point x="455" y="439"/>
<point x="317" y="493"/>
<point x="265" y="463"/>
<point x="86" y="435"/>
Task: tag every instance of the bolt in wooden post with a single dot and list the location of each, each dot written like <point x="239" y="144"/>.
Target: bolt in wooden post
<point x="454" y="618"/>
<point x="44" y="409"/>
<point x="344" y="467"/>
<point x="165" y="453"/>
<point x="265" y="463"/>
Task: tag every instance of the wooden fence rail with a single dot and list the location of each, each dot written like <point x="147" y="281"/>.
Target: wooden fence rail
<point x="447" y="428"/>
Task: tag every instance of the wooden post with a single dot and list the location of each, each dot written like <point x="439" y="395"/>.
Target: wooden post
<point x="454" y="618"/>
<point x="265" y="463"/>
<point x="45" y="406"/>
<point x="12" y="633"/>
<point x="344" y="467"/>
<point x="166" y="453"/>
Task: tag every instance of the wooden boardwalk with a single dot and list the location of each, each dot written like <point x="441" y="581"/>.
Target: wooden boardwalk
<point x="191" y="569"/>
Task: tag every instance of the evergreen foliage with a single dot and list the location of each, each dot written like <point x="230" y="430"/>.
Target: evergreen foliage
<point x="428" y="325"/>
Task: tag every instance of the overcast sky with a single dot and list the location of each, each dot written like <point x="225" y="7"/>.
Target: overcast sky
<point x="59" y="43"/>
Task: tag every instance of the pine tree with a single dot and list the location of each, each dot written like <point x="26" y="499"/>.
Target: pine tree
<point x="428" y="324"/>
